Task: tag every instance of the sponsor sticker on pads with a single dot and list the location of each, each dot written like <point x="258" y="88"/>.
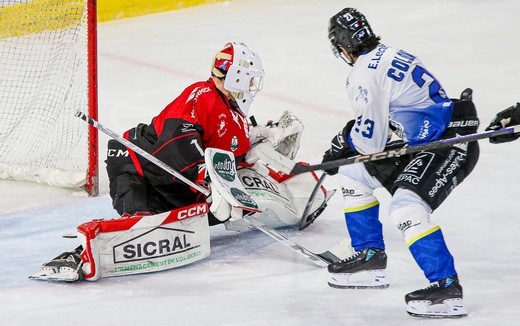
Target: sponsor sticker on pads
<point x="145" y="244"/>
<point x="222" y="171"/>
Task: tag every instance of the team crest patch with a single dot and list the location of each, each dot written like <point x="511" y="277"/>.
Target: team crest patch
<point x="234" y="144"/>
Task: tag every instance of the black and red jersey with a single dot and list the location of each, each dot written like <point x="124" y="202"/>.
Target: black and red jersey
<point x="200" y="117"/>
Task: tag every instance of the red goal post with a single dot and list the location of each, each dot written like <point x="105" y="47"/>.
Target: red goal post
<point x="48" y="71"/>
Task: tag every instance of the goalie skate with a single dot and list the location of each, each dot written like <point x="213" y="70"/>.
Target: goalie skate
<point x="364" y="270"/>
<point x="442" y="299"/>
<point x="64" y="268"/>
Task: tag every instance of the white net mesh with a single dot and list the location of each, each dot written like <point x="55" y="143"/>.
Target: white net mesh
<point x="43" y="82"/>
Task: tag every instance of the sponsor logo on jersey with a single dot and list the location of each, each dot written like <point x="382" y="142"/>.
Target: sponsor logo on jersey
<point x="403" y="226"/>
<point x="196" y="92"/>
<point x="350" y="193"/>
<point x="424" y="132"/>
<point x="415" y="170"/>
<point x="446" y="172"/>
<point x="187" y="127"/>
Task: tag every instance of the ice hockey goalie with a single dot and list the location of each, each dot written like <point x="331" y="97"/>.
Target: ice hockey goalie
<point x="142" y="244"/>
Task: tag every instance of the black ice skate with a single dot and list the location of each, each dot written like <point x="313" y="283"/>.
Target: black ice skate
<point x="442" y="299"/>
<point x="64" y="268"/>
<point x="364" y="270"/>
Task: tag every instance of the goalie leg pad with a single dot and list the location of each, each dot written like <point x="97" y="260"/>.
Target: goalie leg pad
<point x="271" y="196"/>
<point x="136" y="245"/>
<point x="282" y="198"/>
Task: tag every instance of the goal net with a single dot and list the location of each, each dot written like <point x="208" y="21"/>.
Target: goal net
<point x="48" y="73"/>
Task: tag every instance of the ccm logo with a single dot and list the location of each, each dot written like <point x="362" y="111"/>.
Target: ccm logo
<point x="192" y="211"/>
<point x="117" y="152"/>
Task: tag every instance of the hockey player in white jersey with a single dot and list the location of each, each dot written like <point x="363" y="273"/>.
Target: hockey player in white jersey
<point x="393" y="95"/>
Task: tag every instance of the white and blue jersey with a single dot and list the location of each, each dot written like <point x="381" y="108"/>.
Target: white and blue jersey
<point x="391" y="91"/>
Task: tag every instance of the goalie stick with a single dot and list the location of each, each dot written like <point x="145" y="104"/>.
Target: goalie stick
<point x="290" y="167"/>
<point x="322" y="259"/>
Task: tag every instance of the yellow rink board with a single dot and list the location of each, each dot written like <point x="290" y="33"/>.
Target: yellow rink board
<point x="117" y="9"/>
<point x="30" y="17"/>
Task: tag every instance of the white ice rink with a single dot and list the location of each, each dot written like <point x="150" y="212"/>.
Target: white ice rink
<point x="250" y="279"/>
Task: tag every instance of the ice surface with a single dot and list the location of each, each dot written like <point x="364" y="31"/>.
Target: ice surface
<point x="250" y="279"/>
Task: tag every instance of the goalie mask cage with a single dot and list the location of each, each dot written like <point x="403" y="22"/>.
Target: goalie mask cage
<point x="48" y="71"/>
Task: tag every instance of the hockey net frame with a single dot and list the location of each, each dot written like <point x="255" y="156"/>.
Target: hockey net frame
<point x="22" y="23"/>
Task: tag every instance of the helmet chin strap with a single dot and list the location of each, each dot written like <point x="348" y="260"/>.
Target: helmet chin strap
<point x="347" y="57"/>
<point x="339" y="52"/>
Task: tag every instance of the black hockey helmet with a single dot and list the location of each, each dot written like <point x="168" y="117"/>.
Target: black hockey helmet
<point x="350" y="30"/>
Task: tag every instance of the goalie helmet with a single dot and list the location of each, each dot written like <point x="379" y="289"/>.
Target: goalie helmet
<point x="242" y="71"/>
<point x="350" y="30"/>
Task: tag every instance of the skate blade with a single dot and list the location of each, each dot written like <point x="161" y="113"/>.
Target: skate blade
<point x="69" y="277"/>
<point x="450" y="308"/>
<point x="436" y="316"/>
<point x="375" y="279"/>
<point x="358" y="286"/>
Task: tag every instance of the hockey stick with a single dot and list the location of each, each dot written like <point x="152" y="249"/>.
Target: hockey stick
<point x="316" y="258"/>
<point x="321" y="260"/>
<point x="307" y="219"/>
<point x="291" y="167"/>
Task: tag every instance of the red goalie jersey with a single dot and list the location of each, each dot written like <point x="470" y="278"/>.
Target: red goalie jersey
<point x="200" y="117"/>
